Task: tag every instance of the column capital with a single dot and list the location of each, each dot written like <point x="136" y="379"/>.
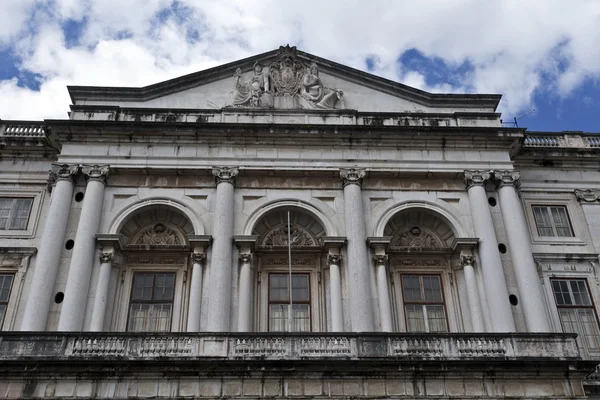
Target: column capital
<point x="245" y="258"/>
<point x="197" y="258"/>
<point x="62" y="172"/>
<point x="96" y="172"/>
<point x="334" y="259"/>
<point x="225" y="174"/>
<point x="106" y="257"/>
<point x="508" y="178"/>
<point x="467" y="260"/>
<point x="380" y="259"/>
<point x="476" y="177"/>
<point x="588" y="195"/>
<point x="352" y="176"/>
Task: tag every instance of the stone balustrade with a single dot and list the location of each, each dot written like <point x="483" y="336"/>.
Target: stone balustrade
<point x="564" y="140"/>
<point x="182" y="346"/>
<point x="23" y="129"/>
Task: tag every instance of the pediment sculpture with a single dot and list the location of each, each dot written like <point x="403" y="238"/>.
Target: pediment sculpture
<point x="289" y="83"/>
<point x="158" y="235"/>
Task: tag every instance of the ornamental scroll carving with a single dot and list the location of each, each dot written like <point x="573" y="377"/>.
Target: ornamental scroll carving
<point x="417" y="238"/>
<point x="158" y="235"/>
<point x="298" y="237"/>
<point x="289" y="83"/>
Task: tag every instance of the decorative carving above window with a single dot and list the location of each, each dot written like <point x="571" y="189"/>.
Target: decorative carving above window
<point x="417" y="238"/>
<point x="158" y="235"/>
<point x="298" y="237"/>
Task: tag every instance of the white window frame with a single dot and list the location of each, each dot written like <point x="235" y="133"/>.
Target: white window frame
<point x="180" y="299"/>
<point x="574" y="213"/>
<point x="449" y="288"/>
<point x="37" y="197"/>
<point x="555" y="307"/>
<point x="552" y="225"/>
<point x="317" y="296"/>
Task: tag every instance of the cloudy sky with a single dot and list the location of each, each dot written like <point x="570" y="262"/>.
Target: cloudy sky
<point x="542" y="54"/>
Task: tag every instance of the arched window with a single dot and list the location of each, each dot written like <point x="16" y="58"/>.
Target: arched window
<point x="154" y="260"/>
<point x="420" y="251"/>
<point x="278" y="308"/>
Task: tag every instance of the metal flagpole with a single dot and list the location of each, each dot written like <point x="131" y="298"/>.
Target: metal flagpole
<point x="290" y="273"/>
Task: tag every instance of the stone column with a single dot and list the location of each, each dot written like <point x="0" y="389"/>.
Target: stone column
<point x="335" y="292"/>
<point x="40" y="293"/>
<point x="491" y="265"/>
<point x="82" y="259"/>
<point x="383" y="294"/>
<point x="358" y="260"/>
<point x="193" y="322"/>
<point x="245" y="293"/>
<point x="467" y="262"/>
<point x="519" y="246"/>
<point x="100" y="301"/>
<point x="221" y="261"/>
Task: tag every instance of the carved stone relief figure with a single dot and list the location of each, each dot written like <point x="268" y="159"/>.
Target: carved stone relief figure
<point x="316" y="94"/>
<point x="416" y="238"/>
<point x="279" y="237"/>
<point x="159" y="234"/>
<point x="287" y="84"/>
<point x="253" y="92"/>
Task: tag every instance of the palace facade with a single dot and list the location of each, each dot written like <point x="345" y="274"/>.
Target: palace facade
<point x="146" y="243"/>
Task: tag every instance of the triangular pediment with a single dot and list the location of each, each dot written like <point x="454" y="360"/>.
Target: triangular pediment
<point x="287" y="79"/>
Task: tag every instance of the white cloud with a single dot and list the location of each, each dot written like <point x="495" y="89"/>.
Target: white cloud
<point x="516" y="47"/>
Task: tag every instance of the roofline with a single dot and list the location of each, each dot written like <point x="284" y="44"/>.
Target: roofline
<point x="195" y="79"/>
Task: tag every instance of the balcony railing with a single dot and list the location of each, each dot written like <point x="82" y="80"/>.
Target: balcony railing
<point x="147" y="346"/>
<point x="564" y="140"/>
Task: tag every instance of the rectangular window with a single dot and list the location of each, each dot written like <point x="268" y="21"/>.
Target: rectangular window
<point x="14" y="213"/>
<point x="151" y="306"/>
<point x="552" y="221"/>
<point x="424" y="307"/>
<point x="576" y="311"/>
<point x="279" y="302"/>
<point x="6" y="281"/>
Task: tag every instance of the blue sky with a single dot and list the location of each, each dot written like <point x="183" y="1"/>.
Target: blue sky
<point x="540" y="54"/>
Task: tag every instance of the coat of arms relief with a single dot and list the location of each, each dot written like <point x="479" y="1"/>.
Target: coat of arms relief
<point x="288" y="83"/>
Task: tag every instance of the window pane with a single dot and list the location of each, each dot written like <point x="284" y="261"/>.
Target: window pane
<point x="138" y="317"/>
<point x="20" y="214"/>
<point x="300" y="288"/>
<point x="568" y="320"/>
<point x="543" y="221"/>
<point x="160" y="317"/>
<point x="580" y="293"/>
<point x="589" y="329"/>
<point x="278" y="317"/>
<point x="5" y="285"/>
<point x="142" y="287"/>
<point x="5" y="206"/>
<point x="415" y="319"/>
<point x="164" y="287"/>
<point x="432" y="288"/>
<point x="561" y="221"/>
<point x="411" y="288"/>
<point x="436" y="319"/>
<point x="561" y="292"/>
<point x="279" y="287"/>
<point x="301" y="315"/>
<point x="2" y="313"/>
